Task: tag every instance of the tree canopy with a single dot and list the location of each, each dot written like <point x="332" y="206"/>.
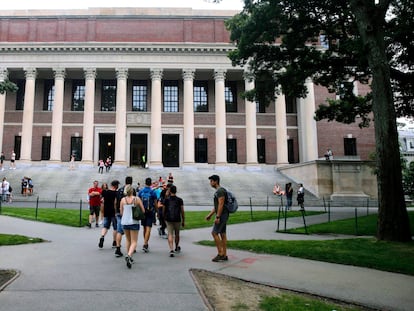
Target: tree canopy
<point x="335" y="43"/>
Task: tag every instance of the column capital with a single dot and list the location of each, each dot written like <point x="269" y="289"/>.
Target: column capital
<point x="156" y="73"/>
<point x="122" y="73"/>
<point x="30" y="73"/>
<point x="90" y="73"/>
<point x="3" y="74"/>
<point x="219" y="74"/>
<point x="60" y="73"/>
<point x="188" y="74"/>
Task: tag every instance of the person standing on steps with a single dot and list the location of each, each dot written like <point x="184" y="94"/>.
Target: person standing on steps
<point x="2" y="158"/>
<point x="13" y="160"/>
<point x="109" y="203"/>
<point x="129" y="224"/>
<point x="220" y="222"/>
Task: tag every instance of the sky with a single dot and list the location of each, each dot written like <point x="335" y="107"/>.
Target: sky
<point x="83" y="4"/>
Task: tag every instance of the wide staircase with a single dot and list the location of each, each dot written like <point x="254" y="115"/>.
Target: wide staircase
<point x="55" y="182"/>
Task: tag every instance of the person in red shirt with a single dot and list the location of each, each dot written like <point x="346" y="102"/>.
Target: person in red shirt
<point x="94" y="195"/>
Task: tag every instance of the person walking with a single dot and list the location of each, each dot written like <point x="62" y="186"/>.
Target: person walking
<point x="130" y="225"/>
<point x="4" y="189"/>
<point x="173" y="211"/>
<point x="13" y="160"/>
<point x="94" y="194"/>
<point x="149" y="200"/>
<point x="220" y="222"/>
<point x="289" y="196"/>
<point x="2" y="158"/>
<point x="109" y="202"/>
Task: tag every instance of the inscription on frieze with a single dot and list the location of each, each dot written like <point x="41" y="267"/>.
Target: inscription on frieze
<point x="138" y="119"/>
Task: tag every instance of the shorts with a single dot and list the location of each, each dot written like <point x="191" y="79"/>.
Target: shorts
<point x="221" y="226"/>
<point x="107" y="222"/>
<point x="131" y="227"/>
<point x="173" y="227"/>
<point x="94" y="210"/>
<point x="119" y="227"/>
<point x="148" y="220"/>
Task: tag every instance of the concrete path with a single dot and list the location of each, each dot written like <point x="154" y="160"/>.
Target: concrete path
<point x="72" y="273"/>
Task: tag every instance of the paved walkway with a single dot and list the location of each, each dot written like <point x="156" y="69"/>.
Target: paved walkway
<point x="72" y="273"/>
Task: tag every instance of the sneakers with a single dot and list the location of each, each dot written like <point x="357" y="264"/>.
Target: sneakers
<point x="159" y="232"/>
<point x="171" y="253"/>
<point x="178" y="249"/>
<point x="89" y="225"/>
<point x="97" y="225"/>
<point x="128" y="262"/>
<point x="113" y="244"/>
<point x="101" y="242"/>
<point x="145" y="248"/>
<point x="219" y="258"/>
<point x="118" y="252"/>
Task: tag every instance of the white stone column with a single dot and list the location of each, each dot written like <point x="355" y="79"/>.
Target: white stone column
<point x="121" y="97"/>
<point x="307" y="125"/>
<point x="251" y="128"/>
<point x="3" y="77"/>
<point x="28" y="111"/>
<point x="88" y="116"/>
<point x="221" y="139"/>
<point x="57" y="117"/>
<point x="281" y="130"/>
<point x="188" y="77"/>
<point x="155" y="154"/>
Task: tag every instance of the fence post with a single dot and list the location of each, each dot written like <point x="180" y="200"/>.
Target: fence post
<point x="324" y="204"/>
<point x="56" y="199"/>
<point x="251" y="209"/>
<point x="267" y="203"/>
<point x="356" y="221"/>
<point x="37" y="206"/>
<point x="367" y="206"/>
<point x="0" y="203"/>
<point x="278" y="219"/>
<point x="304" y="221"/>
<point x="80" y="213"/>
<point x="329" y="211"/>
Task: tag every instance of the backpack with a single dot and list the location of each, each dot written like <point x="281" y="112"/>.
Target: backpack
<point x="231" y="202"/>
<point x="172" y="209"/>
<point x="148" y="197"/>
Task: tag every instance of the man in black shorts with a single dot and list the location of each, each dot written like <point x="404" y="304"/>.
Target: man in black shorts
<point x="220" y="222"/>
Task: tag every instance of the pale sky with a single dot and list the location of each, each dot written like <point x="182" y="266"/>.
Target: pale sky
<point x="83" y="4"/>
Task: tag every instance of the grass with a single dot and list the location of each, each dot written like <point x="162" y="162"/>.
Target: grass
<point x="14" y="239"/>
<point x="193" y="219"/>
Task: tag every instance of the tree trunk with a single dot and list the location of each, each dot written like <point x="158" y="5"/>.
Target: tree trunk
<point x="393" y="222"/>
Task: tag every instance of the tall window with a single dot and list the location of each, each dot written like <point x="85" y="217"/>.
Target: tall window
<point x="261" y="150"/>
<point x="200" y="92"/>
<point x="200" y="150"/>
<point x="170" y="96"/>
<point x="76" y="148"/>
<point x="290" y="104"/>
<point x="230" y="96"/>
<point x="260" y="107"/>
<point x="21" y="84"/>
<point x="78" y="95"/>
<point x="139" y="95"/>
<point x="17" y="146"/>
<point x="350" y="147"/>
<point x="231" y="150"/>
<point x="46" y="141"/>
<point x="108" y="95"/>
<point x="49" y="95"/>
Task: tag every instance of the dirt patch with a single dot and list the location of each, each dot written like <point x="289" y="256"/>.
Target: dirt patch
<point x="6" y="276"/>
<point x="224" y="293"/>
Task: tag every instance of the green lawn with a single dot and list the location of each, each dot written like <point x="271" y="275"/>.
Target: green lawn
<point x="14" y="239"/>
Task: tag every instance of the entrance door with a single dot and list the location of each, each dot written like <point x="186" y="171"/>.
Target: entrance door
<point x="170" y="150"/>
<point x="106" y="146"/>
<point x="138" y="149"/>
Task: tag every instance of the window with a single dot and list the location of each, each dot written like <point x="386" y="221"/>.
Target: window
<point x="260" y="107"/>
<point x="139" y="95"/>
<point x="49" y="95"/>
<point x="290" y="104"/>
<point x="17" y="146"/>
<point x="230" y="96"/>
<point x="350" y="146"/>
<point x="108" y="102"/>
<point x="21" y="84"/>
<point x="200" y="150"/>
<point x="261" y="151"/>
<point x="76" y="148"/>
<point x="232" y="150"/>
<point x="46" y="141"/>
<point x="170" y="96"/>
<point x="78" y="95"/>
<point x="200" y="94"/>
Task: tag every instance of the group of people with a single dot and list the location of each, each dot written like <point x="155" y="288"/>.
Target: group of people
<point x="107" y="164"/>
<point x="12" y="160"/>
<point x="288" y="192"/>
<point x="117" y="207"/>
<point x="27" y="186"/>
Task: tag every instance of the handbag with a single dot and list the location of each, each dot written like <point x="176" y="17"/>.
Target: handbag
<point x="137" y="213"/>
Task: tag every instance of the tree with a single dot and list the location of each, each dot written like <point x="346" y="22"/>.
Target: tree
<point x="7" y="86"/>
<point x="335" y="43"/>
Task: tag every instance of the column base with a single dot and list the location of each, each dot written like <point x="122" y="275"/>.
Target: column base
<point x="156" y="165"/>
